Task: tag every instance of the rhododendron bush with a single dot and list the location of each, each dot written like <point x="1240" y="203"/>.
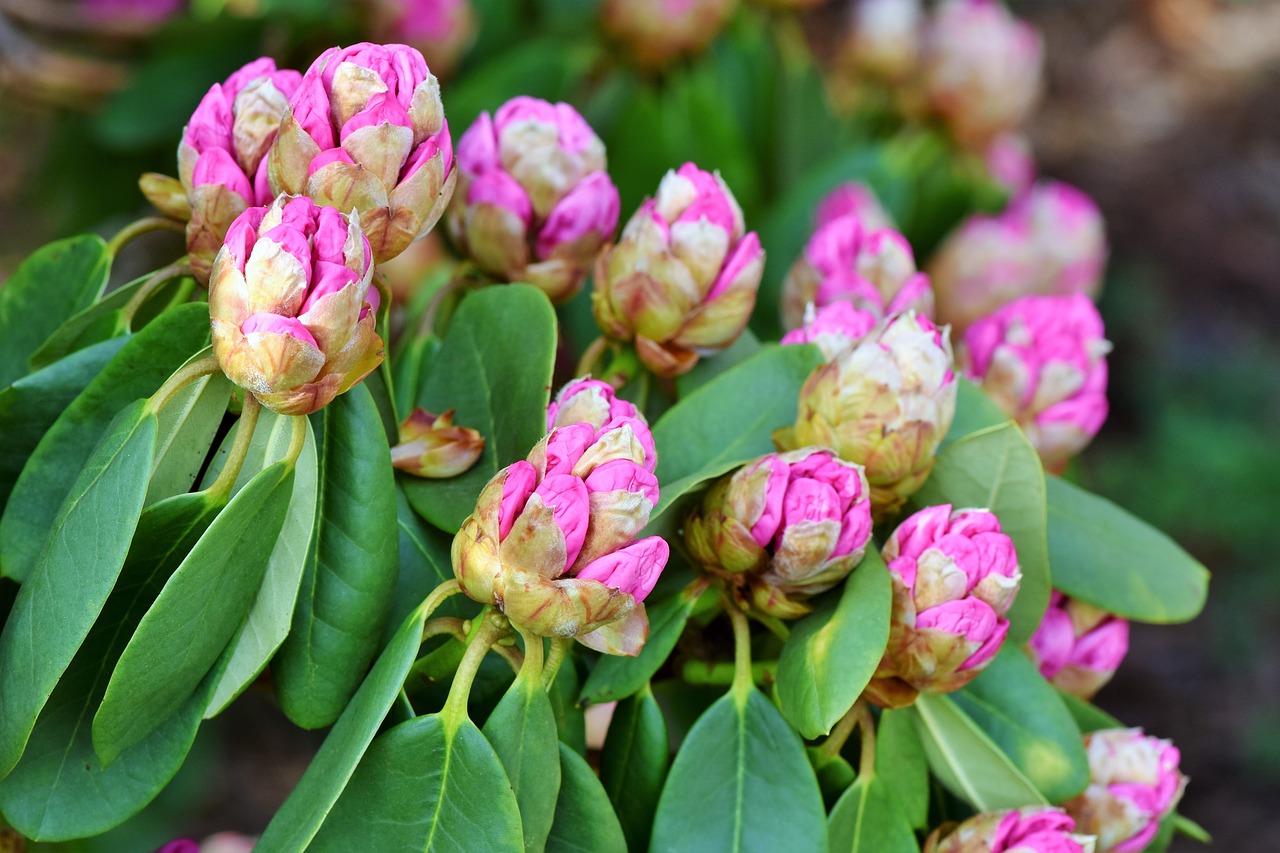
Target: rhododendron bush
<point x="672" y="452"/>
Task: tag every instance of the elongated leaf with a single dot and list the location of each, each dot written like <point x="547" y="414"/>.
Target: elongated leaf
<point x="1088" y="717"/>
<point x="136" y="371"/>
<point x="52" y="284"/>
<point x="1105" y="556"/>
<point x="616" y="677"/>
<point x="425" y="786"/>
<point x="634" y="764"/>
<point x="833" y="652"/>
<point x="195" y="616"/>
<point x="975" y="411"/>
<point x="901" y="765"/>
<point x="494" y="370"/>
<point x="998" y="469"/>
<point x="75" y="572"/>
<point x="708" y="369"/>
<point x="739" y="769"/>
<point x="188" y="424"/>
<point x="867" y="819"/>
<point x="424" y="563"/>
<point x="584" y="820"/>
<point x="571" y="719"/>
<point x="521" y="730"/>
<point x="298" y="820"/>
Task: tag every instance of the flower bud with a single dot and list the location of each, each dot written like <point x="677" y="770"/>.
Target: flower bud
<point x="885" y="404"/>
<point x="682" y="280"/>
<point x="292" y="310"/>
<point x="441" y="30"/>
<point x="875" y="270"/>
<point x="656" y="33"/>
<point x="784" y="527"/>
<point x="534" y="203"/>
<point x="954" y="577"/>
<point x="431" y="446"/>
<point x="366" y="130"/>
<point x="1009" y="162"/>
<point x="1042" y="360"/>
<point x="1031" y="829"/>
<point x="856" y="200"/>
<point x="885" y="38"/>
<point x="552" y="540"/>
<point x="1134" y="784"/>
<point x="1068" y="234"/>
<point x="833" y="328"/>
<point x="1077" y="646"/>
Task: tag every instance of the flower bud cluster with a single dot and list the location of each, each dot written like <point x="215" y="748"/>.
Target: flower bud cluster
<point x="1077" y="646"/>
<point x="1032" y="829"/>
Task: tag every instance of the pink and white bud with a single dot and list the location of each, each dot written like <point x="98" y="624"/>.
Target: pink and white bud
<point x="857" y="200"/>
<point x="784" y="527"/>
<point x="955" y="575"/>
<point x="432" y="447"/>
<point x="657" y="32"/>
<point x="1009" y="162"/>
<point x="1077" y="646"/>
<point x="591" y="401"/>
<point x="1031" y="829"/>
<point x="1134" y="784"/>
<point x="884" y="39"/>
<point x="1042" y="359"/>
<point x="1070" y="239"/>
<point x="534" y="202"/>
<point x="681" y="281"/>
<point x="441" y="30"/>
<point x="833" y="328"/>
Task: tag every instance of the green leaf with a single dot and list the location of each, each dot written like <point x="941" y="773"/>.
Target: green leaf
<point x="301" y="815"/>
<point x="1191" y="829"/>
<point x="521" y="730"/>
<point x="140" y="367"/>
<point x="188" y="424"/>
<point x="833" y="652"/>
<point x="902" y="766"/>
<point x="617" y="677"/>
<point x="707" y="369"/>
<point x="1088" y="717"/>
<point x="634" y="764"/>
<point x="571" y="720"/>
<point x="195" y="616"/>
<point x="494" y="370"/>
<point x="425" y="563"/>
<point x="966" y="761"/>
<point x="998" y="469"/>
<point x="740" y="769"/>
<point x="1105" y="556"/>
<point x="351" y="569"/>
<point x="59" y="602"/>
<point x="866" y="819"/>
<point x="1022" y="714"/>
<point x="584" y="820"/>
<point x="52" y="284"/>
<point x="426" y="786"/>
<point x="975" y="411"/>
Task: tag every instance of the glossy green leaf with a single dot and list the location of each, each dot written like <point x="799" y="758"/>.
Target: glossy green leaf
<point x="708" y="369"/>
<point x="998" y="469"/>
<point x="975" y="411"/>
<point x="301" y="815"/>
<point x="571" y="719"/>
<point x="1105" y="556"/>
<point x="350" y="573"/>
<point x="55" y="282"/>
<point x="1088" y="717"/>
<point x="425" y="563"/>
<point x="188" y="424"/>
<point x="633" y="765"/>
<point x="616" y="677"/>
<point x="494" y="370"/>
<point x="521" y="730"/>
<point x="584" y="819"/>
<point x="902" y="766"/>
<point x="833" y="652"/>
<point x="137" y="370"/>
<point x="867" y="819"/>
<point x="426" y="786"/>
<point x="59" y="602"/>
<point x="739" y="770"/>
<point x="966" y="760"/>
<point x="1188" y="827"/>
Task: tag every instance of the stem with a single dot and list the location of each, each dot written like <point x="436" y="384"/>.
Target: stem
<point x="148" y="288"/>
<point x="723" y="672"/>
<point x="532" y="669"/>
<point x="181" y="378"/>
<point x="488" y="627"/>
<point x="867" y="726"/>
<point x="590" y="356"/>
<point x="775" y="625"/>
<point x="624" y="367"/>
<point x="559" y="649"/>
<point x="839" y="734"/>
<point x="136" y="229"/>
<point x="239" y="449"/>
<point x="436" y="598"/>
<point x="451" y="625"/>
<point x="458" y="281"/>
<point x="296" y="439"/>
<point x="742" y="681"/>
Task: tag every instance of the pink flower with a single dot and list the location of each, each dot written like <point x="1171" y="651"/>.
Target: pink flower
<point x="594" y="402"/>
<point x="1077" y="646"/>
<point x="1009" y="161"/>
<point x="834" y="328"/>
<point x="1031" y="829"/>
<point x="856" y="200"/>
<point x="441" y="29"/>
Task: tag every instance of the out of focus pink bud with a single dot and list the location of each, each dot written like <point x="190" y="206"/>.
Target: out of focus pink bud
<point x="1043" y="360"/>
<point x="833" y="328"/>
<point x="1134" y="784"/>
<point x="656" y="32"/>
<point x="1070" y="240"/>
<point x="441" y="30"/>
<point x="1009" y="161"/>
<point x="1077" y="646"/>
<point x="681" y="281"/>
<point x="534" y="203"/>
<point x="856" y="200"/>
<point x="431" y="446"/>
<point x="1031" y="829"/>
<point x="884" y="38"/>
<point x="955" y="575"/>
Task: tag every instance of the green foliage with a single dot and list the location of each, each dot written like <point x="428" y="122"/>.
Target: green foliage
<point x="634" y="764"/>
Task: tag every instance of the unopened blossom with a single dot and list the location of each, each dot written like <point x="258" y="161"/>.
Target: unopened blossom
<point x="656" y="32"/>
<point x="1042" y="359"/>
<point x="1134" y="783"/>
<point x="1031" y="829"/>
<point x="441" y="30"/>
<point x="292" y="309"/>
<point x="886" y="404"/>
<point x="884" y="38"/>
<point x="681" y="281"/>
<point x="433" y="446"/>
<point x="366" y="131"/>
<point x="1078" y="647"/>
<point x="594" y="402"/>
<point x="1009" y="162"/>
<point x="833" y="328"/>
<point x="222" y="158"/>
<point x="552" y="540"/>
<point x="955" y="574"/>
<point x="853" y="199"/>
<point x="534" y="202"/>
<point x="1070" y="239"/>
<point x="783" y="527"/>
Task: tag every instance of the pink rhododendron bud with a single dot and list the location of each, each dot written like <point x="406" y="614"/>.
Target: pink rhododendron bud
<point x="1077" y="646"/>
<point x="431" y="446"/>
<point x="591" y="401"/>
<point x="955" y="575"/>
<point x="885" y="404"/>
<point x="982" y="68"/>
<point x="856" y="200"/>
<point x="221" y="157"/>
<point x="885" y="38"/>
<point x="1134" y="783"/>
<point x="1031" y="829"/>
<point x="1042" y="359"/>
<point x="552" y="540"/>
<point x="657" y="32"/>
<point x="291" y="305"/>
<point x="534" y="203"/>
<point x="1070" y="240"/>
<point x="783" y="528"/>
<point x="366" y="130"/>
<point x="875" y="270"/>
<point x="833" y="328"/>
<point x="681" y="281"/>
<point x="441" y="30"/>
<point x="1009" y="161"/>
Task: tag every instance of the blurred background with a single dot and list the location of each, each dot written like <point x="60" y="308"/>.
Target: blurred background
<point x="1163" y="111"/>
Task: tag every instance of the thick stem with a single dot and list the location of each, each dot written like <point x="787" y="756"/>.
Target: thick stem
<point x="723" y="672"/>
<point x="559" y="650"/>
<point x="625" y="367"/>
<point x="742" y="681"/>
<point x="180" y="379"/>
<point x="775" y="625"/>
<point x="451" y="625"/>
<point x="487" y="628"/>
<point x="145" y="225"/>
<point x="867" y="728"/>
<point x="148" y="288"/>
<point x="437" y="597"/>
<point x="239" y="449"/>
<point x="532" y="670"/>
<point x="297" y="438"/>
<point x="839" y="734"/>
